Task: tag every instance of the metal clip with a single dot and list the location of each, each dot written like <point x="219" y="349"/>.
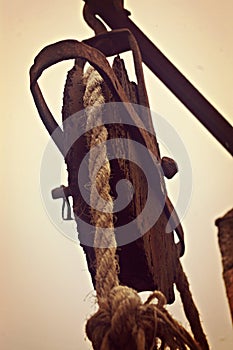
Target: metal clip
<point x="64" y="193"/>
<point x="65" y="204"/>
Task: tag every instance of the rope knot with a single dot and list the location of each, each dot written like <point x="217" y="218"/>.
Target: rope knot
<point x="124" y="322"/>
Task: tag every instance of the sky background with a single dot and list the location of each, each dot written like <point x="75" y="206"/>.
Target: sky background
<point x="46" y="293"/>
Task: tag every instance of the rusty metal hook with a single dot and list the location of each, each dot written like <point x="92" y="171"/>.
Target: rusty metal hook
<point x="71" y="49"/>
<point x="92" y="20"/>
<point x="88" y="50"/>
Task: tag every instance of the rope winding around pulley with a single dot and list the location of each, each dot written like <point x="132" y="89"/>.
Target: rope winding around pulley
<point x="123" y="321"/>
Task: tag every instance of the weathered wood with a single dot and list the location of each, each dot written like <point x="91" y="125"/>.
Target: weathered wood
<point x="73" y="103"/>
<point x="225" y="240"/>
<point x="149" y="262"/>
<point x="154" y="253"/>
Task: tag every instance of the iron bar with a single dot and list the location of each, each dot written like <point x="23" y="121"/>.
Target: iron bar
<point x="116" y="17"/>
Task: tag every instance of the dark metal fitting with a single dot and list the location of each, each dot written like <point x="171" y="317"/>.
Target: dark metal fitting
<point x="61" y="192"/>
<point x="169" y="166"/>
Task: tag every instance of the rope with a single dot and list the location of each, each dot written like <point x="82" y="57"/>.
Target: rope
<point x="123" y="321"/>
<point x="106" y="273"/>
<point x="190" y="308"/>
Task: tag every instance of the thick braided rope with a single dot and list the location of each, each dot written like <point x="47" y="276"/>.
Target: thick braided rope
<point x="122" y="321"/>
<point x="106" y="272"/>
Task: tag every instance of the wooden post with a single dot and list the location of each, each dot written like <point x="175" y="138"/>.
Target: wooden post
<point x="225" y="240"/>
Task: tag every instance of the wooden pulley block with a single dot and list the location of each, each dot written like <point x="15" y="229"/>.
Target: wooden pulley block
<point x="148" y="261"/>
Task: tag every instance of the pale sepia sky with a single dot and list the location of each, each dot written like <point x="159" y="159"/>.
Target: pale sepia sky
<point x="46" y="292"/>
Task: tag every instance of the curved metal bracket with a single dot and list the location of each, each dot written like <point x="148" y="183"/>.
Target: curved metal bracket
<point x="119" y="41"/>
<point x="72" y="49"/>
<point x="93" y="21"/>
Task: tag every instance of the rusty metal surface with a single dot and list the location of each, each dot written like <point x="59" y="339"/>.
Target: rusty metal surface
<point x="119" y="41"/>
<point x="116" y="17"/>
<point x="71" y="49"/>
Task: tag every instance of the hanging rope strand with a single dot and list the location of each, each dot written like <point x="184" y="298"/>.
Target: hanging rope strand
<point x="190" y="308"/>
